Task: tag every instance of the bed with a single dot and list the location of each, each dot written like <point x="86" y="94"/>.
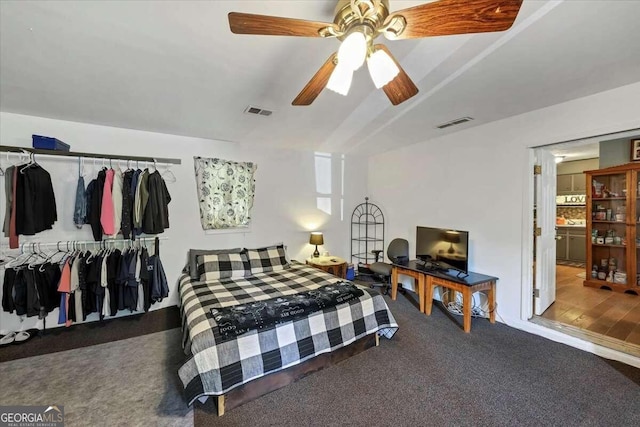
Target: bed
<point x="241" y="366"/>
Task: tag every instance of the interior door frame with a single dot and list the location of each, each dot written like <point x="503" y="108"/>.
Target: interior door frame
<point x="528" y="190"/>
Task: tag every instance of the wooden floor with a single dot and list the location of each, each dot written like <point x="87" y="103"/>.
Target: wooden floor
<point x="598" y="311"/>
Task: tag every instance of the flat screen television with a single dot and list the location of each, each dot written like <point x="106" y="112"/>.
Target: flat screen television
<point x="443" y="248"/>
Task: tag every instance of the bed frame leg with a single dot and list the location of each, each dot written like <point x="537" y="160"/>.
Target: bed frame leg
<point x="221" y="405"/>
<point x="377" y="339"/>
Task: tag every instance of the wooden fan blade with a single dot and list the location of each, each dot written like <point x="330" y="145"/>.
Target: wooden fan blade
<point x="401" y="87"/>
<point x="247" y="23"/>
<point x="447" y="17"/>
<point x="317" y="83"/>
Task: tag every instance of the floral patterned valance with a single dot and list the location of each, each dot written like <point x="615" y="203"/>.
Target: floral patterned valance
<point x="225" y="192"/>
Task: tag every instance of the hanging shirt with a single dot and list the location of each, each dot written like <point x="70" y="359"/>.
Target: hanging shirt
<point x="95" y="213"/>
<point x="64" y="287"/>
<point x="137" y="204"/>
<point x="14" y="242"/>
<point x="116" y="196"/>
<point x="106" y="214"/>
<point x="106" y="303"/>
<point x="134" y="188"/>
<point x="126" y="223"/>
<point x="8" y="194"/>
<point x="113" y="268"/>
<point x="144" y="194"/>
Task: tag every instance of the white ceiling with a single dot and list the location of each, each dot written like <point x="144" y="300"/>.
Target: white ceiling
<point x="175" y="67"/>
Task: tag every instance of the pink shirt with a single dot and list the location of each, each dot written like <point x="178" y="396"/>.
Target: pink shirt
<point x="106" y="215"/>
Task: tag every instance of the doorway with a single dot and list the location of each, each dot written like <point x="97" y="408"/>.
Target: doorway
<point x="561" y="301"/>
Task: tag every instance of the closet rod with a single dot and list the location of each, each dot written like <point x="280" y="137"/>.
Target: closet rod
<point x="10" y="149"/>
<point x="62" y="243"/>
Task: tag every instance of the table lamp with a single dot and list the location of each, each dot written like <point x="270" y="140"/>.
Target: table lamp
<point x="316" y="239"/>
<point x="451" y="237"/>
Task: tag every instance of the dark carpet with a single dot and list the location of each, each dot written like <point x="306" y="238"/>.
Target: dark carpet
<point x="92" y="333"/>
<point x="432" y="373"/>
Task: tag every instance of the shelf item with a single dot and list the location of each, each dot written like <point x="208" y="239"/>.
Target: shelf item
<point x="367" y="234"/>
<point x="612" y="228"/>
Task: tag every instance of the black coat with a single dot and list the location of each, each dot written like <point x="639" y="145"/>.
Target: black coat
<point x="156" y="213"/>
<point x="35" y="201"/>
<point x="96" y="205"/>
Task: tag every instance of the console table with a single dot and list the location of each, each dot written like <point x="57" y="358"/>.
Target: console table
<point x="428" y="279"/>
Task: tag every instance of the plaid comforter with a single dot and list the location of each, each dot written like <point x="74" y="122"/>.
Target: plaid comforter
<point x="216" y="365"/>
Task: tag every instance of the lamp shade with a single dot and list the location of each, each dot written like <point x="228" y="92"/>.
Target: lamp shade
<point x="316" y="238"/>
<point x="452" y="237"/>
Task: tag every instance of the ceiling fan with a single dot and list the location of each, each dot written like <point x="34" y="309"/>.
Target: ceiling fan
<point x="358" y="23"/>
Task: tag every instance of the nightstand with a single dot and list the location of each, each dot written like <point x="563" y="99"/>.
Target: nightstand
<point x="331" y="264"/>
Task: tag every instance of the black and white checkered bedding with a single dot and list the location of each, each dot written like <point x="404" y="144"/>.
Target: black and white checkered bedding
<point x="217" y="365"/>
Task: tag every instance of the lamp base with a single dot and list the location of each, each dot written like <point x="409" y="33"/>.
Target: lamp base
<point x="316" y="254"/>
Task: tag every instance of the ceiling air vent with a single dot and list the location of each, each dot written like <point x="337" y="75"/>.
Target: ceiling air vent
<point x="257" y="110"/>
<point x="454" y="122"/>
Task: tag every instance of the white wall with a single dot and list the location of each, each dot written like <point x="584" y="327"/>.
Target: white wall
<point x="284" y="208"/>
<point x="480" y="180"/>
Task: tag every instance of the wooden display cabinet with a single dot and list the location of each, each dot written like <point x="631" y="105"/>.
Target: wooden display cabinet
<point x="613" y="206"/>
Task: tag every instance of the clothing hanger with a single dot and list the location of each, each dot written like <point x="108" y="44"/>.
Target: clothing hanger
<point x="50" y="258"/>
<point x="32" y="162"/>
<point x="169" y="173"/>
<point x="40" y="258"/>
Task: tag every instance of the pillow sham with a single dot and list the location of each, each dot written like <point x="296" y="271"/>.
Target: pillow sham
<point x="264" y="260"/>
<point x="193" y="258"/>
<point x="222" y="266"/>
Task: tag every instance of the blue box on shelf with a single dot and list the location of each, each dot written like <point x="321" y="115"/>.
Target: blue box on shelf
<point x="48" y="143"/>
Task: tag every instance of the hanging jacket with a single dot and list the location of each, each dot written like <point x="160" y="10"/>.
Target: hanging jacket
<point x="88" y="195"/>
<point x="156" y="214"/>
<point x="134" y="187"/>
<point x="80" y="209"/>
<point x="35" y="200"/>
<point x="96" y="206"/>
<point x="127" y="204"/>
<point x="157" y="278"/>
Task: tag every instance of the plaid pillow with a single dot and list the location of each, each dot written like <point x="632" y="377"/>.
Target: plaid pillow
<point x="264" y="260"/>
<point x="195" y="253"/>
<point x="223" y="266"/>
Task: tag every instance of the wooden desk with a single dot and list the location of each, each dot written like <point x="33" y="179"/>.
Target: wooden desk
<point x="474" y="282"/>
<point x="418" y="277"/>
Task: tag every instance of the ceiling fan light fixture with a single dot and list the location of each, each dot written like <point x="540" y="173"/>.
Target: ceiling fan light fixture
<point x="353" y="51"/>
<point x="340" y="80"/>
<point x="382" y="68"/>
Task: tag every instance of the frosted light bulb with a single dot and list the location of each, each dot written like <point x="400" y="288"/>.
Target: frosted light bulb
<point x="382" y="68"/>
<point x="353" y="51"/>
